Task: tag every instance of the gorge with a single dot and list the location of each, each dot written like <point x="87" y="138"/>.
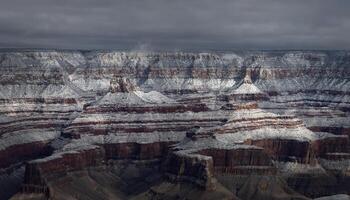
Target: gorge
<point x="174" y="125"/>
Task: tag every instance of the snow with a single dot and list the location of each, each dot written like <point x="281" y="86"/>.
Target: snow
<point x="199" y="84"/>
<point x="324" y="135"/>
<point x="120" y="99"/>
<point x="335" y="197"/>
<point x="37" y="91"/>
<point x="210" y="143"/>
<point x="343" y="165"/>
<point x="231" y="58"/>
<point x="90" y="84"/>
<point x="113" y="138"/>
<point x="265" y="125"/>
<point x="153" y="97"/>
<point x="27" y="136"/>
<point x="33" y="58"/>
<point x="21" y="91"/>
<point x="59" y="91"/>
<point x="247" y="88"/>
<point x="298" y="168"/>
<point x="331" y="121"/>
<point x="78" y="74"/>
<point x="299" y="133"/>
<point x="306" y="82"/>
<point x="250" y="114"/>
<point x="59" y="142"/>
<point x="134" y="98"/>
<point x="151" y="119"/>
<point x="33" y="62"/>
<point x="60" y="154"/>
<point x="207" y="139"/>
<point x="191" y="154"/>
<point x="302" y="59"/>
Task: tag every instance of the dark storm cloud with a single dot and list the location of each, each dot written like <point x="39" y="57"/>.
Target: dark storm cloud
<point x="175" y="25"/>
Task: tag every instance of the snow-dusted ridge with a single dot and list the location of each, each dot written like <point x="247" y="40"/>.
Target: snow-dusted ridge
<point x="134" y="98"/>
<point x="71" y="79"/>
<point x="335" y="197"/>
<point x="27" y="136"/>
<point x="147" y="102"/>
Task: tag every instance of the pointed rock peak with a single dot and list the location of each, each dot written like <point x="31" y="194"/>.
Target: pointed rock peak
<point x="247" y="86"/>
<point x="122" y="84"/>
<point x="247" y="78"/>
<point x="124" y="92"/>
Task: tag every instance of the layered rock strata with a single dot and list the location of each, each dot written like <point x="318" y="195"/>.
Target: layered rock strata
<point x="39" y="172"/>
<point x="311" y="85"/>
<point x="288" y="108"/>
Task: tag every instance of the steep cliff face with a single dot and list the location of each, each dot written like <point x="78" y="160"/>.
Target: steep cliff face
<point x="255" y="109"/>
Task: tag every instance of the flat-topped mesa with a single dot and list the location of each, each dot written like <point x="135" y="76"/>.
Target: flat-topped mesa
<point x="80" y="155"/>
<point x="318" y="146"/>
<point x="240" y="160"/>
<point x="228" y="157"/>
<point x="40" y="172"/>
<point x="193" y="168"/>
<point x="334" y="147"/>
<point x="14" y="153"/>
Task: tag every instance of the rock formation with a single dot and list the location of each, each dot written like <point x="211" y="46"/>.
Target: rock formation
<point x="216" y="124"/>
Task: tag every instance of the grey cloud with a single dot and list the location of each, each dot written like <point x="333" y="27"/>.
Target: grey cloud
<point x="181" y="25"/>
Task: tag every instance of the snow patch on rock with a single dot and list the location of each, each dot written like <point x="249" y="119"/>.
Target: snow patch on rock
<point x="298" y="168"/>
<point x="27" y="136"/>
<point x="247" y="88"/>
<point x="335" y="197"/>
<point x="299" y="133"/>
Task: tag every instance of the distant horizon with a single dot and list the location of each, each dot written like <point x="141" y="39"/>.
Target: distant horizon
<point x="4" y="49"/>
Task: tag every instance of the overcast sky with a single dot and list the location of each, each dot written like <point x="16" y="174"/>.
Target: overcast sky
<point x="175" y="24"/>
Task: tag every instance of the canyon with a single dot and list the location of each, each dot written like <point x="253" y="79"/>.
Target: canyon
<point x="175" y="125"/>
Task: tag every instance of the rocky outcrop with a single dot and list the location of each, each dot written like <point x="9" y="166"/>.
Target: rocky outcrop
<point x="122" y="85"/>
<point x="23" y="152"/>
<point x="39" y="172"/>
<point x="260" y="187"/>
<point x="247" y="91"/>
<point x="228" y="157"/>
<point x="240" y="161"/>
<point x="286" y="150"/>
<point x="321" y="185"/>
<point x="137" y="151"/>
<point x="193" y="168"/>
<point x="331" y="145"/>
